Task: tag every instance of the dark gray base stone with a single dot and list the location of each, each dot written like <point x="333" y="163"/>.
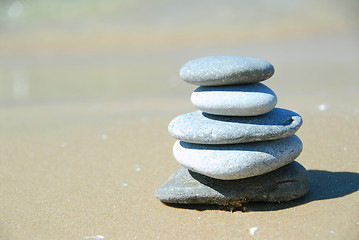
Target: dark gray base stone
<point x="284" y="184"/>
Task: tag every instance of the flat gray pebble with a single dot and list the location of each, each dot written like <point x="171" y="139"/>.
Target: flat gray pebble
<point x="203" y="128"/>
<point x="236" y="161"/>
<point x="284" y="184"/>
<point x="235" y="100"/>
<point x="225" y="70"/>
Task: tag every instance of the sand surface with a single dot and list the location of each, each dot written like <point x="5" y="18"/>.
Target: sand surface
<point x="69" y="171"/>
<point x="85" y="105"/>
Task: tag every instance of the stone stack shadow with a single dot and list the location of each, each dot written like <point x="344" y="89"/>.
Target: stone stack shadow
<point x="238" y="148"/>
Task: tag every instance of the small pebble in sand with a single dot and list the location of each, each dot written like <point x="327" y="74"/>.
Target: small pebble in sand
<point x="97" y="237"/>
<point x="104" y="137"/>
<point x="345" y="148"/>
<point x="323" y="107"/>
<point x="125" y="184"/>
<point x="138" y="168"/>
<point x="253" y="230"/>
<point x="332" y="232"/>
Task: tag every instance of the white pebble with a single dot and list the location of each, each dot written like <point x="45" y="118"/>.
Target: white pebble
<point x="253" y="230"/>
<point x="98" y="237"/>
<point x="332" y="232"/>
<point x="323" y="107"/>
<point x="125" y="184"/>
<point x="138" y="168"/>
<point x="345" y="148"/>
<point x="104" y="137"/>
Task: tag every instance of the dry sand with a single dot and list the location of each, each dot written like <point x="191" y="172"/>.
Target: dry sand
<point x="84" y="141"/>
<point x="73" y="170"/>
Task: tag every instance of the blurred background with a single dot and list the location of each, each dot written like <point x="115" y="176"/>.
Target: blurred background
<point x="85" y="49"/>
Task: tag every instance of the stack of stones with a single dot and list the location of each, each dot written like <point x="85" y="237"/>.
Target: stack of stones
<point x="238" y="148"/>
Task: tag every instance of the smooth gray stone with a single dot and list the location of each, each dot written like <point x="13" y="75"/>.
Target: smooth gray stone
<point x="203" y="128"/>
<point x="225" y="70"/>
<point x="284" y="184"/>
<point x="236" y="161"/>
<point x="235" y="100"/>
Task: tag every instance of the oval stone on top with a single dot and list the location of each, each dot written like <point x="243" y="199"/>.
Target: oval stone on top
<point x="235" y="100"/>
<point x="225" y="70"/>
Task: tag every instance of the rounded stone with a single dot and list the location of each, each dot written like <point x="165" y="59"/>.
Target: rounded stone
<point x="284" y="184"/>
<point x="235" y="100"/>
<point x="204" y="128"/>
<point x="236" y="161"/>
<point x="225" y="70"/>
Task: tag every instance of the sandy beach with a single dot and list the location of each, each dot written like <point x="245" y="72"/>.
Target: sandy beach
<point x="84" y="116"/>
